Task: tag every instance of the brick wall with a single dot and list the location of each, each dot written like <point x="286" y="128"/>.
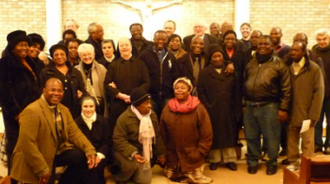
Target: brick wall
<point x="291" y="15"/>
<point x="116" y="19"/>
<point x="28" y="15"/>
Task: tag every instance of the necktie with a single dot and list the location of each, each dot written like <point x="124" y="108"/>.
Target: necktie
<point x="196" y="68"/>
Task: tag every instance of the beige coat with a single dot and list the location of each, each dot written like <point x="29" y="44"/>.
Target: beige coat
<point x="36" y="147"/>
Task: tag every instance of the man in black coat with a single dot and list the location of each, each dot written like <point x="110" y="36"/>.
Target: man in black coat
<point x="163" y="71"/>
<point x="95" y="38"/>
<point x="139" y="43"/>
<point x="199" y="30"/>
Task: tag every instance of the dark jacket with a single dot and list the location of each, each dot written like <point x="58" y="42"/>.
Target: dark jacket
<point x="221" y="96"/>
<point x="162" y="73"/>
<point x="126" y="139"/>
<point x="325" y="55"/>
<point x="208" y="40"/>
<point x="70" y="100"/>
<point x="18" y="88"/>
<point x="268" y="82"/>
<point x="307" y="92"/>
<point x="186" y="65"/>
<point x="104" y="61"/>
<point x="99" y="135"/>
<point x="135" y="52"/>
<point x="127" y="75"/>
<point x="97" y="48"/>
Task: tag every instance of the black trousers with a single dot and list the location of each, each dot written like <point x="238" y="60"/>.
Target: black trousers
<point x="77" y="171"/>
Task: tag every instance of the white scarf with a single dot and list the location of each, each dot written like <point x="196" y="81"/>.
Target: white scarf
<point x="89" y="121"/>
<point x="146" y="135"/>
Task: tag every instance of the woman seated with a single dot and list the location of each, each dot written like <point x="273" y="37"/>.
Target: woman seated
<point x="187" y="133"/>
<point x="135" y="133"/>
<point x="175" y="46"/>
<point x="96" y="129"/>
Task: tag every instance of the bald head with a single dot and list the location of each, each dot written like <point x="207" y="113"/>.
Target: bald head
<point x="225" y="27"/>
<point x="53" y="91"/>
<point x="300" y="37"/>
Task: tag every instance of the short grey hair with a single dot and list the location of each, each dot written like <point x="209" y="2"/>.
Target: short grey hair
<point x="92" y="27"/>
<point x="85" y="47"/>
<point x="322" y="31"/>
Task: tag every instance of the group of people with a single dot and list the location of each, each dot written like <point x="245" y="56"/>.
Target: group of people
<point x="169" y="101"/>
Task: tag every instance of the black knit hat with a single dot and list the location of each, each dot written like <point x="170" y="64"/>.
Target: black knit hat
<point x="229" y="32"/>
<point x="37" y="38"/>
<point x="15" y="37"/>
<point x="138" y="96"/>
<point x="56" y="47"/>
<point x="213" y="49"/>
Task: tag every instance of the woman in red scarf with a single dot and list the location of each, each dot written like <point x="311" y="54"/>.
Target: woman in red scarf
<point x="187" y="133"/>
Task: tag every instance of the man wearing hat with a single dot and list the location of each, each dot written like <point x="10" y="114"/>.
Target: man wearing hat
<point x="18" y="84"/>
<point x="36" y="47"/>
<point x="135" y="132"/>
<point x="71" y="78"/>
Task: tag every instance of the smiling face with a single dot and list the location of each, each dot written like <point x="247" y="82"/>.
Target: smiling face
<point x="276" y="36"/>
<point x="98" y="34"/>
<point x="34" y="50"/>
<point x="322" y="40"/>
<point x="160" y="40"/>
<point x="21" y="49"/>
<point x="181" y="91"/>
<point x="254" y="38"/>
<point x="175" y="44"/>
<point x="169" y="28"/>
<point x="73" y="49"/>
<point x="245" y="30"/>
<point x="215" y="29"/>
<point x="197" y="45"/>
<point x="59" y="57"/>
<point x="297" y="52"/>
<point x="199" y="30"/>
<point x="125" y="47"/>
<point x="136" y="32"/>
<point x="88" y="108"/>
<point x="217" y="59"/>
<point x="230" y="41"/>
<point x="53" y="91"/>
<point x="264" y="46"/>
<point x="87" y="57"/>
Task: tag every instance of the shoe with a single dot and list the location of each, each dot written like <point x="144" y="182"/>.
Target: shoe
<point x="252" y="169"/>
<point x="327" y="151"/>
<point x="318" y="149"/>
<point x="271" y="170"/>
<point x="285" y="162"/>
<point x="283" y="152"/>
<point x="213" y="166"/>
<point x="231" y="166"/>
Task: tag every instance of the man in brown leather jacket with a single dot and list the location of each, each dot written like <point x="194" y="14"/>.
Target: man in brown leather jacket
<point x="267" y="91"/>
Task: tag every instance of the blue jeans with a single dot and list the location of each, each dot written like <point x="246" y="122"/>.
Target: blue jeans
<point x="318" y="126"/>
<point x="262" y="120"/>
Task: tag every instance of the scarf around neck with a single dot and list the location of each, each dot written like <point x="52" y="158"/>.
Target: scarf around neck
<point x="262" y="58"/>
<point x="146" y="135"/>
<point x="89" y="121"/>
<point x="186" y="107"/>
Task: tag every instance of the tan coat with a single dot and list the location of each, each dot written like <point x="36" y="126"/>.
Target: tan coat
<point x="36" y="147"/>
<point x="187" y="137"/>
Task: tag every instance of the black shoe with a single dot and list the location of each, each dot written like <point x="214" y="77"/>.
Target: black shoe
<point x="318" y="149"/>
<point x="285" y="162"/>
<point x="271" y="170"/>
<point x="231" y="166"/>
<point x="252" y="169"/>
<point x="213" y="166"/>
<point x="283" y="152"/>
<point x="327" y="151"/>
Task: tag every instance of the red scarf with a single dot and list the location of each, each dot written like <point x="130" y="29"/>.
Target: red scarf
<point x="186" y="107"/>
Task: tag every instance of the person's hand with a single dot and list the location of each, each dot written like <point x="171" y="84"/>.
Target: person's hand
<point x="313" y="123"/>
<point x="113" y="85"/>
<point x="97" y="160"/>
<point x="282" y="116"/>
<point x="230" y="69"/>
<point x="161" y="161"/>
<point x="139" y="159"/>
<point x="91" y="161"/>
<point x="79" y="93"/>
<point x="124" y="97"/>
<point x="45" y="178"/>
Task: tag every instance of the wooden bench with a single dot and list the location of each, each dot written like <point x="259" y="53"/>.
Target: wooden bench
<point x="313" y="170"/>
